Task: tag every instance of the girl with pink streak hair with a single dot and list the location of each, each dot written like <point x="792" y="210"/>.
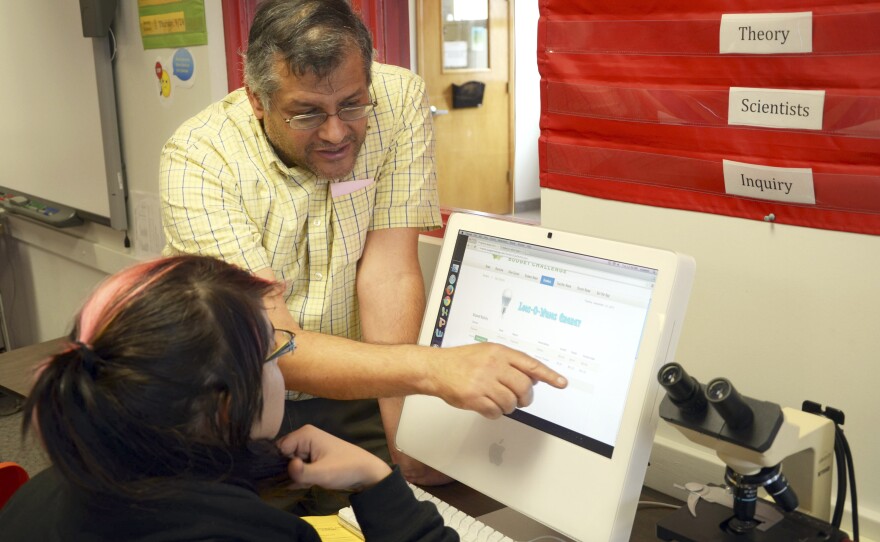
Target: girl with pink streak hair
<point x="159" y="418"/>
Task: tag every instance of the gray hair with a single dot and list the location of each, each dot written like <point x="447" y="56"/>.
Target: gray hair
<point x="310" y="36"/>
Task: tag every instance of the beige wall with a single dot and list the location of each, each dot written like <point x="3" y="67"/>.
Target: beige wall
<point x="527" y="98"/>
<point x="786" y="313"/>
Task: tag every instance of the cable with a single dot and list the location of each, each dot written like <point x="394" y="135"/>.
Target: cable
<point x="840" y="464"/>
<point x="4" y="315"/>
<point x="4" y="330"/>
<point x="113" y="44"/>
<point x="852" y="485"/>
<point x="845" y="468"/>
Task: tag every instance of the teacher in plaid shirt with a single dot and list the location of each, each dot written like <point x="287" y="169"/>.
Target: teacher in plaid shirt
<point x="319" y="174"/>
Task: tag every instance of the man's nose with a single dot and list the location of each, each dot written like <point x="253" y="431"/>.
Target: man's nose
<point x="333" y="130"/>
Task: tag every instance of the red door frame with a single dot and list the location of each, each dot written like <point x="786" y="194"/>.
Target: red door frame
<point x="388" y="21"/>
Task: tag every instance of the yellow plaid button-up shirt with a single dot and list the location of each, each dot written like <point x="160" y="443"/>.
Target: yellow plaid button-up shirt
<point x="225" y="193"/>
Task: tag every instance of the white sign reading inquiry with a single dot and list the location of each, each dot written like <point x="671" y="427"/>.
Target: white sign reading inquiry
<point x="791" y="185"/>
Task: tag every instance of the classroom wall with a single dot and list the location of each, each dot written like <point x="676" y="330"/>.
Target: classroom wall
<point x="527" y="100"/>
<point x="45" y="273"/>
<point x="145" y="121"/>
<point x="786" y="313"/>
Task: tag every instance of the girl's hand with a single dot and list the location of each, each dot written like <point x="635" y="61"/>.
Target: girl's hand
<point x="320" y="459"/>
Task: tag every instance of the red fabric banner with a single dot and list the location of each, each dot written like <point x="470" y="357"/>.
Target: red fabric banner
<point x="635" y="107"/>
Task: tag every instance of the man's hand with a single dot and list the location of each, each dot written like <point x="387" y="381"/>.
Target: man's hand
<point x="320" y="459"/>
<point x="488" y="378"/>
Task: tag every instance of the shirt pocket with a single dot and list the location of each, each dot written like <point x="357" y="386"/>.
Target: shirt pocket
<point x="352" y="215"/>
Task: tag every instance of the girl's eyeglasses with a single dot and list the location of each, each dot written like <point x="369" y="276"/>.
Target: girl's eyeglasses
<point x="285" y="347"/>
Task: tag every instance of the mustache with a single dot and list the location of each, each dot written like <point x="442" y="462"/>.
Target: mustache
<point x="350" y="139"/>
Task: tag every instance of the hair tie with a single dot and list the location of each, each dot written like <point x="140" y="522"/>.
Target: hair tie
<point x="89" y="358"/>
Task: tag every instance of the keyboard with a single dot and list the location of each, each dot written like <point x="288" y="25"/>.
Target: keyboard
<point x="469" y="529"/>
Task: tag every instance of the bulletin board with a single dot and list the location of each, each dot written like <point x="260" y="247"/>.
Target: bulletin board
<point x="761" y="110"/>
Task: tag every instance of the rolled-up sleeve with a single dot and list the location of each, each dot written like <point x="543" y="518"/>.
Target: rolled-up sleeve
<point x="406" y="193"/>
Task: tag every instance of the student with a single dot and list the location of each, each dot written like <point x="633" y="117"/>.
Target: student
<point x="320" y="173"/>
<point x="158" y="419"/>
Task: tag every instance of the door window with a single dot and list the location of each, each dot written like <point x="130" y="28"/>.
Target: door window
<point x="465" y="35"/>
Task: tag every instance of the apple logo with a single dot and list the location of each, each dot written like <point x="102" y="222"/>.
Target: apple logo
<point x="496" y="452"/>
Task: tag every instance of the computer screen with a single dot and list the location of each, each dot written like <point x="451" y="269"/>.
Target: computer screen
<point x="581" y="315"/>
<point x="605" y="315"/>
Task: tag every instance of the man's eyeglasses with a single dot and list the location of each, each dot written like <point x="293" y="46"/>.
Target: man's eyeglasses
<point x="313" y="120"/>
<point x="285" y="347"/>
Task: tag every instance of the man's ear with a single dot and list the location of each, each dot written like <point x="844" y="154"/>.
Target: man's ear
<point x="256" y="104"/>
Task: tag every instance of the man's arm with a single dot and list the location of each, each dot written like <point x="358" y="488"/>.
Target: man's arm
<point x="487" y="378"/>
<point x="391" y="299"/>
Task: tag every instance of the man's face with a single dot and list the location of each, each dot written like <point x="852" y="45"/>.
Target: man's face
<point x="330" y="150"/>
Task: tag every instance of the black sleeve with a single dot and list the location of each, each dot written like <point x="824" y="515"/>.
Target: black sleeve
<point x="389" y="512"/>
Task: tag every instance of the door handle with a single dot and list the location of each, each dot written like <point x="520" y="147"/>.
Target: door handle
<point x="435" y="111"/>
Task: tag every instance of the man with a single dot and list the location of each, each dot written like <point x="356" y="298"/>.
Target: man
<point x="319" y="174"/>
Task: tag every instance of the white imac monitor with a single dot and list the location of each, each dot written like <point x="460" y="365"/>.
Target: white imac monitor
<point x="605" y="314"/>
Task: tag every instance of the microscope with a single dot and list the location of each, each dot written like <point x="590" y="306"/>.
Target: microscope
<point x="753" y="438"/>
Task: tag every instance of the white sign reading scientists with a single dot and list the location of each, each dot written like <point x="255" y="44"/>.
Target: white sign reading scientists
<point x="776" y="108"/>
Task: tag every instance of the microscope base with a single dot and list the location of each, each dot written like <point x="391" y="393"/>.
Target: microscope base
<point x="710" y="523"/>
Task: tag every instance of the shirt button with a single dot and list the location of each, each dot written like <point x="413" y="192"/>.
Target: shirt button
<point x="317" y="222"/>
<point x="319" y="276"/>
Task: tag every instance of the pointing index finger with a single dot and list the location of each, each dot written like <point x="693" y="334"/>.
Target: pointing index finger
<point x="539" y="372"/>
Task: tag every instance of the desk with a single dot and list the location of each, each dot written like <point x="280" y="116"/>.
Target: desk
<point x="16" y="366"/>
<point x="15" y="376"/>
<point x="476" y="504"/>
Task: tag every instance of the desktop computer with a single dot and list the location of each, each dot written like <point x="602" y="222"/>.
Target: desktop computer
<point x="605" y="314"/>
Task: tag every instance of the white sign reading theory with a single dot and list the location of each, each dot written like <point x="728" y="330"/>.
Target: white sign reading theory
<point x="791" y="185"/>
<point x="766" y="33"/>
<point x="776" y="108"/>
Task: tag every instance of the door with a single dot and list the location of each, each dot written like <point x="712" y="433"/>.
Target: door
<point x="461" y="41"/>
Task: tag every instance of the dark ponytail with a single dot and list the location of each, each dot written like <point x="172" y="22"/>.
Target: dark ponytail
<point x="132" y="407"/>
<point x="63" y="406"/>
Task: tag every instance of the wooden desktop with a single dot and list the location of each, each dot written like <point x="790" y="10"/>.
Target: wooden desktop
<point x="16" y="372"/>
<point x="17" y="366"/>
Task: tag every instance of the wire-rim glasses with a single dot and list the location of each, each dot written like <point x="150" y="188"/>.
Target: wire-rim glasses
<point x="313" y="120"/>
<point x="285" y="347"/>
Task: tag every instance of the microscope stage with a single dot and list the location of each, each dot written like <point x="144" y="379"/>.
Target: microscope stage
<point x="710" y="525"/>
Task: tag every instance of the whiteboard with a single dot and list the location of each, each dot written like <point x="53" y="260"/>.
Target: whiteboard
<point x="59" y="134"/>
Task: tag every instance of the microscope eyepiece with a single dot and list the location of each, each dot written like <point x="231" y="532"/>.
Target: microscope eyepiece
<point x="729" y="404"/>
<point x="683" y="389"/>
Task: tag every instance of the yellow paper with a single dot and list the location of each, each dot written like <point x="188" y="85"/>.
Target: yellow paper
<point x="330" y="530"/>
